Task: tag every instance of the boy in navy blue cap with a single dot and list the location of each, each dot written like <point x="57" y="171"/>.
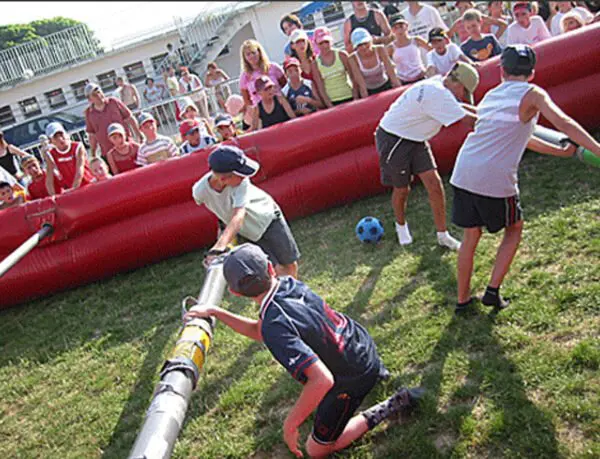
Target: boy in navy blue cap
<point x="246" y="209"/>
<point x="330" y="354"/>
<point x="485" y="180"/>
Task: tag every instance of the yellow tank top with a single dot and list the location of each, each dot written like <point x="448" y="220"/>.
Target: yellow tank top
<point x="335" y="79"/>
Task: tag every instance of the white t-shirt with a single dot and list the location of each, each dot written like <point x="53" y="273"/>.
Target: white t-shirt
<point x="536" y="32"/>
<point x="421" y="111"/>
<point x="420" y="24"/>
<point x="444" y="62"/>
<point x="584" y="14"/>
<point x="159" y="149"/>
<point x="260" y="207"/>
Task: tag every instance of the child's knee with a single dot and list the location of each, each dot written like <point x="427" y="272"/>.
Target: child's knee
<point x="315" y="449"/>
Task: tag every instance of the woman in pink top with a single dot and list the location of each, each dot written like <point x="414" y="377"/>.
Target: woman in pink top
<point x="255" y="63"/>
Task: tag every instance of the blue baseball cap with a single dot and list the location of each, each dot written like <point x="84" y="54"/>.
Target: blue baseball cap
<point x="223" y="119"/>
<point x="246" y="270"/>
<point x="360" y="36"/>
<point x="144" y="117"/>
<point x="232" y="159"/>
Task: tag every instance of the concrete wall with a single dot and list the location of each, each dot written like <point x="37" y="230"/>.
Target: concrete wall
<point x="231" y="62"/>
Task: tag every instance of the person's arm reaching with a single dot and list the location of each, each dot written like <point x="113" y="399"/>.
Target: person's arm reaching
<point x="386" y="30"/>
<point x="319" y="382"/>
<point x="389" y="67"/>
<point x="231" y="230"/>
<point x="50" y="171"/>
<point x="359" y="88"/>
<point x="318" y="79"/>
<point x="545" y="148"/>
<point x="114" y="169"/>
<point x="133" y="126"/>
<point x="347" y="43"/>
<point x="79" y="166"/>
<point x="239" y="324"/>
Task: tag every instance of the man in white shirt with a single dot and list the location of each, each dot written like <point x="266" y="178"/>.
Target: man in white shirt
<point x="527" y="29"/>
<point x="246" y="209"/>
<point x="421" y="19"/>
<point x="564" y="8"/>
<point x="402" y="142"/>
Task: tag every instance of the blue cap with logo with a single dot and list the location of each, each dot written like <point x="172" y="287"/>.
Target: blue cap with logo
<point x="232" y="159"/>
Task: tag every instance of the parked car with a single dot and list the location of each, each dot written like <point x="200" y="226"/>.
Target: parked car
<point x="25" y="135"/>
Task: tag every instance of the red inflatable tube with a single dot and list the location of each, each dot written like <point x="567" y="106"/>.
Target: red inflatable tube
<point x="563" y="58"/>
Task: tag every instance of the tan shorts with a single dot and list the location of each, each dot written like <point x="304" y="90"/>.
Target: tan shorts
<point x="400" y="159"/>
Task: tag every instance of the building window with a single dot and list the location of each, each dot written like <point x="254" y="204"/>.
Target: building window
<point x="6" y="116"/>
<point x="157" y="61"/>
<point x="334" y="12"/>
<point x="30" y="107"/>
<point x="56" y="98"/>
<point x="135" y="72"/>
<point x="108" y="80"/>
<point x="78" y="90"/>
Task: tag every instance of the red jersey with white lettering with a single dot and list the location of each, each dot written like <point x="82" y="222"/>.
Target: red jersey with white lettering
<point x="37" y="188"/>
<point x="125" y="163"/>
<point x="66" y="163"/>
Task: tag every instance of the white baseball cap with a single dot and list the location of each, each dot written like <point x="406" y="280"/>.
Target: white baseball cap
<point x="54" y="128"/>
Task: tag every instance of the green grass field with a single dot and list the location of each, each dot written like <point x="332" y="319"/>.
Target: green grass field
<point x="77" y="370"/>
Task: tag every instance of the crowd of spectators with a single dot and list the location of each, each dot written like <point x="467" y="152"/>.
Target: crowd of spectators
<point x="384" y="46"/>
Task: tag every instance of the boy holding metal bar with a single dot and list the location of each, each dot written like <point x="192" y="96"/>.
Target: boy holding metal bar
<point x="333" y="356"/>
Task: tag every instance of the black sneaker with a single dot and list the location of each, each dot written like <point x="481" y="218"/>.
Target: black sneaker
<point x="406" y="400"/>
<point x="495" y="300"/>
<point x="462" y="309"/>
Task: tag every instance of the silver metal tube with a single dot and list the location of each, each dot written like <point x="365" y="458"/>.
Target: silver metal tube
<point x="551" y="136"/>
<point x="27" y="246"/>
<point x="179" y="376"/>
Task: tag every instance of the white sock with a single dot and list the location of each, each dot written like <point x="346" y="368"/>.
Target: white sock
<point x="403" y="233"/>
<point x="442" y="234"/>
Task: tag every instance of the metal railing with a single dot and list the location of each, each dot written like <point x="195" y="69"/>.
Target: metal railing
<point x="45" y="54"/>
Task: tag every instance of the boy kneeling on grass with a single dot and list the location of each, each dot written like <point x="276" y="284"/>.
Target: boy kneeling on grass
<point x="330" y="354"/>
<point x="246" y="209"/>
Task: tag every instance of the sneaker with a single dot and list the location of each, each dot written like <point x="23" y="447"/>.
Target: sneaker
<point x="404" y="237"/>
<point x="495" y="300"/>
<point x="406" y="400"/>
<point x="445" y="240"/>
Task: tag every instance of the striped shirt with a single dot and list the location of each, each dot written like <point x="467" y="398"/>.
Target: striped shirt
<point x="159" y="149"/>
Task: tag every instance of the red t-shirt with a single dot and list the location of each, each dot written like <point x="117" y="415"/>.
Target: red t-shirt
<point x="37" y="188"/>
<point x="66" y="162"/>
<point x="125" y="163"/>
<point x="97" y="122"/>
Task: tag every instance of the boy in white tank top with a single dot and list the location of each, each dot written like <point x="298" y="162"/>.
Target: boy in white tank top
<point x="485" y="179"/>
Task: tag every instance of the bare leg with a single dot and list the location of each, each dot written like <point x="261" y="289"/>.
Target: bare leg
<point x="506" y="253"/>
<point x="399" y="200"/>
<point x="437" y="199"/>
<point x="464" y="265"/>
<point x="287" y="270"/>
<point x="356" y="428"/>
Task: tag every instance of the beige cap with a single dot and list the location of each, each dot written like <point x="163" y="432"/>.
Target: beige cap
<point x="466" y="75"/>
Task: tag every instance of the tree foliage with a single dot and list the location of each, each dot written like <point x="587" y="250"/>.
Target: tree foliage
<point x="16" y="34"/>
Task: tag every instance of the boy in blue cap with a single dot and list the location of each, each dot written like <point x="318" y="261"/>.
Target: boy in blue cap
<point x="329" y="353"/>
<point x="246" y="209"/>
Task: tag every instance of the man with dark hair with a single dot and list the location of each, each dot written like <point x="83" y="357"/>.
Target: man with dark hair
<point x="333" y="356"/>
<point x="485" y="182"/>
<point x="8" y="196"/>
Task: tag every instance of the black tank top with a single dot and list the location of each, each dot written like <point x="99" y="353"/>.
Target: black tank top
<point x="368" y="23"/>
<point x="8" y="163"/>
<point x="278" y="115"/>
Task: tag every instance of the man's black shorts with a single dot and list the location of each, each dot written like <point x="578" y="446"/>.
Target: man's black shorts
<point x="338" y="407"/>
<point x="470" y="210"/>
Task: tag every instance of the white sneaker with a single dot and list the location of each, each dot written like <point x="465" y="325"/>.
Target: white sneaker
<point x="404" y="237"/>
<point x="445" y="240"/>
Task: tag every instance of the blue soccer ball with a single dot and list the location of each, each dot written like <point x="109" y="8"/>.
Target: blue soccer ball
<point x="369" y="230"/>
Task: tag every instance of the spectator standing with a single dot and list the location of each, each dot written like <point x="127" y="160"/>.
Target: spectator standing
<point x="215" y="77"/>
<point x="389" y="9"/>
<point x="247" y="210"/>
<point x="173" y="58"/>
<point x="99" y="170"/>
<point x="272" y="108"/>
<point x="564" y="8"/>
<point x="122" y="156"/>
<point x="527" y="29"/>
<point x="37" y="179"/>
<point x="66" y="161"/>
<point x="153" y="93"/>
<point x="402" y="142"/>
<point x="254" y="64"/>
<point x="485" y="181"/>
<point x="102" y="112"/>
<point x="444" y="54"/>
<point x="302" y="49"/>
<point x="421" y="18"/>
<point x="496" y="22"/>
<point x="156" y="147"/>
<point x="371" y="64"/>
<point x="298" y="91"/>
<point x="290" y="23"/>
<point x="458" y="27"/>
<point x="171" y="81"/>
<point x="478" y="47"/>
<point x="10" y="157"/>
<point x="128" y="94"/>
<point x="367" y="18"/>
<point x="191" y="84"/>
<point x="405" y="51"/>
<point x="225" y="126"/>
<point x="190" y="131"/>
<point x="189" y="111"/>
<point x="332" y="72"/>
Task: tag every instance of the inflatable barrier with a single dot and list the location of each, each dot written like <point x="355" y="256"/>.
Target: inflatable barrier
<point x="308" y="165"/>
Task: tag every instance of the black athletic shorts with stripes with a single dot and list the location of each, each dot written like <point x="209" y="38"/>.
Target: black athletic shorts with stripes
<point x="470" y="210"/>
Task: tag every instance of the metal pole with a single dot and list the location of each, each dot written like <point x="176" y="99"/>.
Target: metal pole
<point x="27" y="246"/>
<point x="179" y="375"/>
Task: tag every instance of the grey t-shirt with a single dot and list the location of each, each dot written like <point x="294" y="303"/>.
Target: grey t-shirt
<point x="260" y="206"/>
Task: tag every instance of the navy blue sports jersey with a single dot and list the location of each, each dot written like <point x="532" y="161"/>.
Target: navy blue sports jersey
<point x="299" y="328"/>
